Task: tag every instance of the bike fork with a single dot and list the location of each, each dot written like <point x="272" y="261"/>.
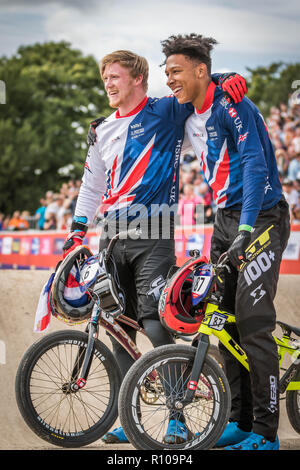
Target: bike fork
<point x="202" y="348"/>
<point x="85" y="360"/>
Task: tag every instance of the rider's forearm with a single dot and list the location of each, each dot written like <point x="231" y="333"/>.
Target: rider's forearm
<point x="87" y="203"/>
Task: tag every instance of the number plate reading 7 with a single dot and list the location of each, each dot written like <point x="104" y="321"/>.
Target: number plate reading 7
<point x="200" y="284"/>
<point x="217" y="321"/>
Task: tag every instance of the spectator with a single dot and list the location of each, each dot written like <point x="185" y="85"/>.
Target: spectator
<point x="40" y="214"/>
<point x="51" y="204"/>
<point x="6" y="222"/>
<point x="294" y="166"/>
<point x="282" y="160"/>
<point x="296" y="212"/>
<point x="296" y="140"/>
<point x="291" y="195"/>
<point x="66" y="220"/>
<point x="64" y="190"/>
<point x="51" y="222"/>
<point x="18" y="222"/>
<point x="60" y="211"/>
<point x="71" y="199"/>
<point x="187" y="205"/>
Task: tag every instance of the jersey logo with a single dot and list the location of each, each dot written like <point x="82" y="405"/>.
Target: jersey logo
<point x="87" y="167"/>
<point x="156" y="287"/>
<point x="258" y="294"/>
<point x="232" y="112"/>
<point x="242" y="137"/>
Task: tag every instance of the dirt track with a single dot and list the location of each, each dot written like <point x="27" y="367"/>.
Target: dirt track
<point x="19" y="292"/>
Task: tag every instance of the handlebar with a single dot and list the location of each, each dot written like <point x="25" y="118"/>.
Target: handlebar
<point x="222" y="261"/>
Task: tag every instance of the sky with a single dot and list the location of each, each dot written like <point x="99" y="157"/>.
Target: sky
<point x="250" y="33"/>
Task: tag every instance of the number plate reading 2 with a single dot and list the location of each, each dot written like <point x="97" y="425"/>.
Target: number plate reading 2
<point x="217" y="321"/>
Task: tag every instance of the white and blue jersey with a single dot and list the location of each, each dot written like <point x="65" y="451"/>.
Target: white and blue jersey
<point x="232" y="143"/>
<point x="132" y="170"/>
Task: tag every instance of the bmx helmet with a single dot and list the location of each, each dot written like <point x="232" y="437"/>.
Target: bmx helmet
<point x="73" y="307"/>
<point x="182" y="301"/>
<point x="79" y="281"/>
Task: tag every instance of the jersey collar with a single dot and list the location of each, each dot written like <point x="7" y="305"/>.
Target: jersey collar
<point x="135" y="110"/>
<point x="208" y="100"/>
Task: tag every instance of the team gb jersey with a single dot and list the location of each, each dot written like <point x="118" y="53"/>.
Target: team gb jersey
<point x="132" y="170"/>
<point x="237" y="157"/>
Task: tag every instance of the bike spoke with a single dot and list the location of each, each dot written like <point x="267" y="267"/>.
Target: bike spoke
<point x="172" y="385"/>
<point x="58" y="406"/>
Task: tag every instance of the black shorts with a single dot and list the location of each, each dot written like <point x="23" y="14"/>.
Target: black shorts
<point x="142" y="266"/>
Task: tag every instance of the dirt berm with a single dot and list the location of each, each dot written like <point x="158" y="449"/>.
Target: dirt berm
<point x="19" y="293"/>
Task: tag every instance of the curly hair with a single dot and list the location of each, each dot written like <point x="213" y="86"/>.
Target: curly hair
<point x="194" y="46"/>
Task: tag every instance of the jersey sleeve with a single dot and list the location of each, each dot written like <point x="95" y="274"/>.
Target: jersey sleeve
<point x="186" y="145"/>
<point x="169" y="109"/>
<point x="216" y="77"/>
<point x="93" y="185"/>
<point x="240" y="121"/>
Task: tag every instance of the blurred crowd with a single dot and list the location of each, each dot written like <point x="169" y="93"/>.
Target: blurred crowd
<point x="284" y="129"/>
<point x="196" y="205"/>
<point x="55" y="211"/>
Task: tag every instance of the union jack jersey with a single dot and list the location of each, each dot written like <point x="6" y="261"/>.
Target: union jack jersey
<point x="237" y="157"/>
<point x="132" y="170"/>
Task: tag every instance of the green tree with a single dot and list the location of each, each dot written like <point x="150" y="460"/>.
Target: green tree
<point x="272" y="85"/>
<point x="52" y="93"/>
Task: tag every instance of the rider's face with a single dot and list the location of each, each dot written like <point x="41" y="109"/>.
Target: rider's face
<point x="183" y="78"/>
<point x="119" y="85"/>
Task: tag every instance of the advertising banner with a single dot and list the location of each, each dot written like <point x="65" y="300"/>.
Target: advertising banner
<point x="43" y="250"/>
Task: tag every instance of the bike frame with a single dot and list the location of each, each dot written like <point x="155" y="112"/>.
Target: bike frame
<point x="113" y="327"/>
<point x="213" y="324"/>
<point x="111" y="324"/>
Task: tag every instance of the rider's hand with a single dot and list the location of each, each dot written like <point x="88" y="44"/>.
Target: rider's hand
<point x="233" y="86"/>
<point x="236" y="252"/>
<point x="73" y="240"/>
<point x="76" y="235"/>
<point x="92" y="136"/>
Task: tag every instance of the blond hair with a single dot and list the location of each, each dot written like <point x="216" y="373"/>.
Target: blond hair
<point x="136" y="64"/>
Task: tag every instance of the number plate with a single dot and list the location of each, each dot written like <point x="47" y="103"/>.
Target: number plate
<point x="217" y="321"/>
<point x="89" y="273"/>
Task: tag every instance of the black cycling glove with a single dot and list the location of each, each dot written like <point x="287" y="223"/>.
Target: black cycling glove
<point x="236" y="252"/>
<point x="92" y="136"/>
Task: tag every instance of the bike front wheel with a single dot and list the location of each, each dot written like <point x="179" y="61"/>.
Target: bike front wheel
<point x="152" y="392"/>
<point x="47" y="400"/>
<point x="293" y="406"/>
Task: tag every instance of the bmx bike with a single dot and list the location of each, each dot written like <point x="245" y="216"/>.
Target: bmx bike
<point x="67" y="383"/>
<point x="201" y="391"/>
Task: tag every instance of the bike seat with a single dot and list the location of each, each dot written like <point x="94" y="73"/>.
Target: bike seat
<point x="289" y="328"/>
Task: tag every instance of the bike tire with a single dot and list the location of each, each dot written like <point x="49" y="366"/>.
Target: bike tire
<point x="132" y="402"/>
<point x="293" y="406"/>
<point x="60" y="417"/>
